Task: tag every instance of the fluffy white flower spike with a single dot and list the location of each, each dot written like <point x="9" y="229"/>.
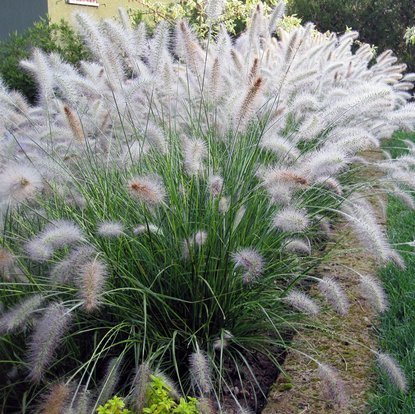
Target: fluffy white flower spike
<point x="290" y="219"/>
<point x="19" y="183"/>
<point x="149" y="189"/>
<point x="196" y="241"/>
<point x="251" y="262"/>
<point x="200" y="372"/>
<point x="302" y="302"/>
<point x="391" y="368"/>
<point x="111" y="229"/>
<point x="56" y="235"/>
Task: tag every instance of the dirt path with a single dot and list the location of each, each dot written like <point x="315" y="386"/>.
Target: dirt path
<point x="300" y="391"/>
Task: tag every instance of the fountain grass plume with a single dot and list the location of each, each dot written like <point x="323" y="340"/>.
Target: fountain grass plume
<point x="220" y="163"/>
<point x="391" y="368"/>
<point x="47" y="335"/>
<point x="200" y="373"/>
<point x="301" y="302"/>
<point x="92" y="275"/>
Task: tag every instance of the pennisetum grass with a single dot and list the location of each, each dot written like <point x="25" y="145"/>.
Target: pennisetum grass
<point x="162" y="202"/>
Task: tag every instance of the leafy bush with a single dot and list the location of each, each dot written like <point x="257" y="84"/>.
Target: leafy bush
<point x="49" y="37"/>
<point x="235" y="15"/>
<point x="410" y="35"/>
<point x="159" y="400"/>
<point x="379" y="22"/>
<point x="161" y="206"/>
<point x="114" y="406"/>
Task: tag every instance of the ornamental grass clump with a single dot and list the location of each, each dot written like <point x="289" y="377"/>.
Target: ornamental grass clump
<point x="162" y="203"/>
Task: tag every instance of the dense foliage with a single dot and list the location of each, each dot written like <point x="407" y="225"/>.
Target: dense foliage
<point x="379" y="22"/>
<point x="397" y="325"/>
<point x="234" y="17"/>
<point x="49" y="37"/>
<point x="161" y="205"/>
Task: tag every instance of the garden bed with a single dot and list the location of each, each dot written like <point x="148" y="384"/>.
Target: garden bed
<point x="161" y="207"/>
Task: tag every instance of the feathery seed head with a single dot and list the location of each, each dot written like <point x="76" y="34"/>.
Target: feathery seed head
<point x="188" y="48"/>
<point x="83" y="402"/>
<point x="334" y="388"/>
<point x="392" y="369"/>
<point x="223" y="205"/>
<point x="156" y="138"/>
<point x="333" y="292"/>
<point x="331" y="184"/>
<point x="18" y="317"/>
<point x="251" y="262"/>
<point x="280" y="193"/>
<point x="290" y="219"/>
<point x="110" y="229"/>
<point x="172" y="387"/>
<point x="62" y="272"/>
<point x="194" y="152"/>
<point x="223" y="341"/>
<point x="144" y="228"/>
<point x="38" y="250"/>
<point x="215" y="185"/>
<point x="284" y="176"/>
<point x="91" y="282"/>
<point x="303" y="303"/>
<point x="197" y="240"/>
<point x="61" y="233"/>
<point x="149" y="189"/>
<point x="280" y="146"/>
<point x="55" y="235"/>
<point x="206" y="405"/>
<point x="46" y="337"/>
<point x="239" y="216"/>
<point x="363" y="221"/>
<point x="74" y="123"/>
<point x="56" y="400"/>
<point x="139" y="387"/>
<point x="133" y="153"/>
<point x="110" y="380"/>
<point x="214" y="9"/>
<point x="397" y="259"/>
<point x="67" y="269"/>
<point x="19" y="183"/>
<point x="246" y="108"/>
<point x="297" y="246"/>
<point x="373" y="292"/>
<point x="6" y="263"/>
<point x="200" y="372"/>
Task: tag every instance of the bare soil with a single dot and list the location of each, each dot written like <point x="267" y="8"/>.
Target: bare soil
<point x="342" y="345"/>
<point x="345" y="342"/>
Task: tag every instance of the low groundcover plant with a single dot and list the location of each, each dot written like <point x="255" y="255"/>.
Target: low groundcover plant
<point x="161" y="206"/>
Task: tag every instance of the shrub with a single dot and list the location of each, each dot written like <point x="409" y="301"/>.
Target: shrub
<point x="114" y="406"/>
<point x="161" y="205"/>
<point x="159" y="400"/>
<point x="234" y="17"/>
<point x="410" y="35"/>
<point x="379" y="22"/>
<point x="47" y="36"/>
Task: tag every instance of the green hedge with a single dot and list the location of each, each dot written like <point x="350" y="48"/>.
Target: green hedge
<point x="50" y="37"/>
<point x="380" y="22"/>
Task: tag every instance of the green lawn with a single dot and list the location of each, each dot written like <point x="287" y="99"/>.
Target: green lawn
<point x="397" y="328"/>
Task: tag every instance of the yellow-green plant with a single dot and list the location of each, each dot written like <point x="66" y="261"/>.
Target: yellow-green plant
<point x="160" y="400"/>
<point x="410" y="36"/>
<point x="235" y="15"/>
<point x="114" y="406"/>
